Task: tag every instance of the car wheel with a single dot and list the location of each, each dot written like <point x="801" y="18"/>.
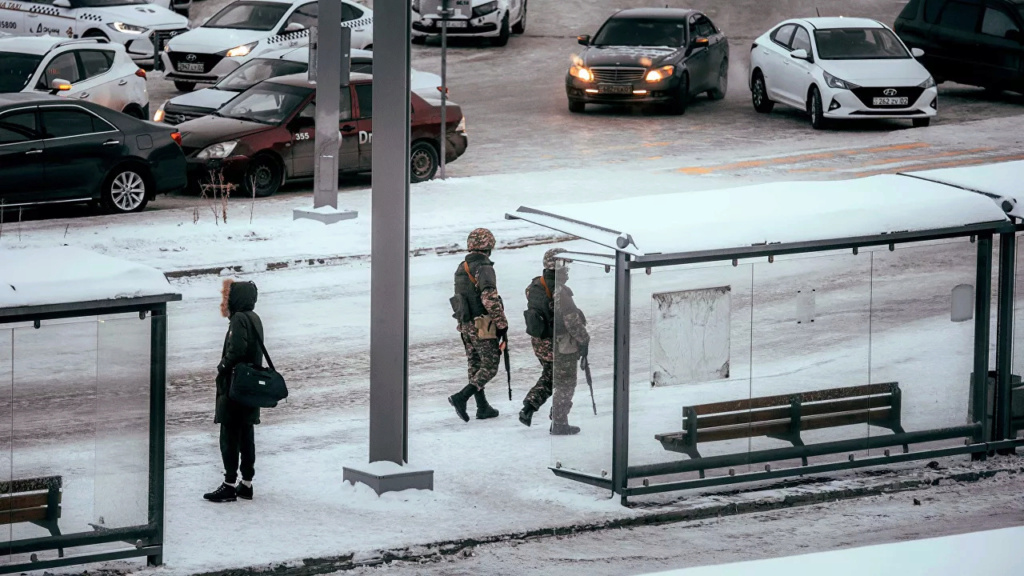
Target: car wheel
<point x="95" y="34"/>
<point x="263" y="177"/>
<point x="504" y="33"/>
<point x="520" y="26"/>
<point x="419" y="40"/>
<point x="922" y="122"/>
<point x="134" y="111"/>
<point x="423" y="162"/>
<point x="577" y="106"/>
<point x="184" y="86"/>
<point x="678" y="105"/>
<point x="718" y="92"/>
<point x="759" y="95"/>
<point x="125" y="191"/>
<point x="815" y="110"/>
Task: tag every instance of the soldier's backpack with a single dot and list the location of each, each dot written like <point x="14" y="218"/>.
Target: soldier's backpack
<point x="539" y="309"/>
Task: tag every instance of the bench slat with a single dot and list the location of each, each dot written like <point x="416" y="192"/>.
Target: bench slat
<point x="18" y="516"/>
<point x="785" y="399"/>
<point x="22" y="501"/>
<point x="778" y="427"/>
<point x="769" y="414"/>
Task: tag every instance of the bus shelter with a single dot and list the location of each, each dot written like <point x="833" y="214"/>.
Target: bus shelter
<point x="82" y="391"/>
<point x="774" y="331"/>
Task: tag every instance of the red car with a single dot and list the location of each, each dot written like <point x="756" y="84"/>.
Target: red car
<point x="266" y="135"/>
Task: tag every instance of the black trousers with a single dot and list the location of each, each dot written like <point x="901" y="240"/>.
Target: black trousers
<point x="238" y="440"/>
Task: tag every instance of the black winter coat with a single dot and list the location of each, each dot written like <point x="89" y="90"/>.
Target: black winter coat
<point x="240" y="346"/>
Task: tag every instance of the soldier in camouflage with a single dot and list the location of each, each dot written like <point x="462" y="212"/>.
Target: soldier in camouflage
<point x="559" y="335"/>
<point x="482" y="325"/>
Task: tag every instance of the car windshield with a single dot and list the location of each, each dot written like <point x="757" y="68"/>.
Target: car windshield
<point x="638" y="32"/>
<point x="262" y="16"/>
<point x="859" y="44"/>
<point x="266" y="103"/>
<point x="252" y="73"/>
<point x="104" y="3"/>
<point x="16" y="70"/>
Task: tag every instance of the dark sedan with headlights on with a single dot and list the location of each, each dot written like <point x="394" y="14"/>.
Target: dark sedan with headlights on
<point x="650" y="56"/>
<point x="267" y="135"/>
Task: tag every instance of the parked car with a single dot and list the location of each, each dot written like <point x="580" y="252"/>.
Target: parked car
<point x="247" y="29"/>
<point x="493" y="19"/>
<point x="271" y="65"/>
<point x="976" y="42"/>
<point x="55" y="150"/>
<point x="90" y="69"/>
<point x="842" y="69"/>
<point x="266" y="135"/>
<point x="178" y="6"/>
<point x="138" y="25"/>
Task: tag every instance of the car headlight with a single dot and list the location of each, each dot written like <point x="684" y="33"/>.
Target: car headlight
<point x="416" y="6"/>
<point x="127" y="28"/>
<point x="159" y="116"/>
<point x="485" y="9"/>
<point x="838" y="83"/>
<point x="582" y="73"/>
<point x="928" y="83"/>
<point x="659" y="74"/>
<point x="239" y="51"/>
<point x="462" y="126"/>
<point x="217" y="151"/>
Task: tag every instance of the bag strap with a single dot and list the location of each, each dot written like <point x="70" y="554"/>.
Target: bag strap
<point x="270" y="363"/>
<point x="544" y="283"/>
<point x="465" y="266"/>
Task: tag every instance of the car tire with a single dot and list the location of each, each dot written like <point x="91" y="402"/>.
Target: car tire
<point x="423" y="162"/>
<point x="577" y="106"/>
<point x="520" y="27"/>
<point x="184" y="86"/>
<point x="503" y="33"/>
<point x="134" y="111"/>
<point x="922" y="122"/>
<point x="678" y="104"/>
<point x="759" y="94"/>
<point x="418" y="40"/>
<point x="718" y="92"/>
<point x="815" y="110"/>
<point x="263" y="177"/>
<point x="125" y="190"/>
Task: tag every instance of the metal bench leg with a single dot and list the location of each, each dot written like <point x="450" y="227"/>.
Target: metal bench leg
<point x="55" y="531"/>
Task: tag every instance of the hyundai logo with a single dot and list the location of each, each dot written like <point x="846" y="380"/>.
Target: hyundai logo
<point x="192" y="58"/>
<point x="889" y="91"/>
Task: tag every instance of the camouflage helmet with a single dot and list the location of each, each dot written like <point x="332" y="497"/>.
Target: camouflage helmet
<point x="480" y="240"/>
<point x="549" y="258"/>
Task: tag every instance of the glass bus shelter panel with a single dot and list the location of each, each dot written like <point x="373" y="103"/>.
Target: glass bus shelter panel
<point x="6" y="433"/>
<point x="922" y="332"/>
<point x="809" y="355"/>
<point x="1018" y="316"/>
<point x="584" y="319"/>
<point x="53" y="439"/>
<point x="121" y="492"/>
<point x="690" y="346"/>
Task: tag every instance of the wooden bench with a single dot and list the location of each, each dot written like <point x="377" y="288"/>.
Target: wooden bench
<point x="35" y="500"/>
<point x="784" y="417"/>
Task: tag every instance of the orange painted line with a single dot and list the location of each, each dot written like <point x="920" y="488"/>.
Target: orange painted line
<point x="898" y="160"/>
<point x="937" y="165"/>
<point x="800" y="158"/>
<point x="655" y="144"/>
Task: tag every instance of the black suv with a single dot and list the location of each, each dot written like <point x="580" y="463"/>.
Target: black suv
<point x="975" y="42"/>
<point x="650" y="56"/>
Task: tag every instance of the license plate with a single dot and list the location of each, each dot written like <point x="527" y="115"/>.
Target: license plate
<point x="904" y="101"/>
<point x="455" y="24"/>
<point x="614" y="89"/>
<point x="191" y="67"/>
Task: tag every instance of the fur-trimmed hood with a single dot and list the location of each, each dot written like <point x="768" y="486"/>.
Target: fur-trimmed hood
<point x="237" y="297"/>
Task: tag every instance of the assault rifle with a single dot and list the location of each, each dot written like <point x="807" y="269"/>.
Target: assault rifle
<point x="585" y="364"/>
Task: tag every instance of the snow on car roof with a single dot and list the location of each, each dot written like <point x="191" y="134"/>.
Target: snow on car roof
<point x="38" y="45"/>
<point x="302" y="79"/>
<point x="778" y="213"/>
<point x="998" y="181"/>
<point x="654" y="13"/>
<point x="841" y="22"/>
<point x="63" y="275"/>
<point x="301" y="54"/>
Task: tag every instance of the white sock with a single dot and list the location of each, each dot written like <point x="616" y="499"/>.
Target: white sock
<point x="248" y="483"/>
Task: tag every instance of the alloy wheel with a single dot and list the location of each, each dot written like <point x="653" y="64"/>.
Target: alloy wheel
<point x="127" y="191"/>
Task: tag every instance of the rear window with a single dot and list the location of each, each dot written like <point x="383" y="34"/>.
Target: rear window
<point x="961" y="16"/>
<point x="859" y="44"/>
<point x="783" y="34"/>
<point x="999" y="23"/>
<point x="16" y="70"/>
<point x="95" y="62"/>
<point x="910" y="10"/>
<point x="252" y="73"/>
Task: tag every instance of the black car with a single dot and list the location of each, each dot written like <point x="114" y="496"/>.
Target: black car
<point x="56" y="150"/>
<point x="650" y="56"/>
<point x="975" y="42"/>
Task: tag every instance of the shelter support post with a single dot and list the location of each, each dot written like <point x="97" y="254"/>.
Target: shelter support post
<point x="157" y="423"/>
<point x="982" y="318"/>
<point x="1004" y="336"/>
<point x="620" y="419"/>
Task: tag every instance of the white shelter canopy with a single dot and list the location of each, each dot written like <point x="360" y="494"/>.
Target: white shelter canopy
<point x="1002" y="182"/>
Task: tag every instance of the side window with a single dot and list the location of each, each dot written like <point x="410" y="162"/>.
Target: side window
<point x="62" y="123"/>
<point x="349" y="13"/>
<point x="18" y="127"/>
<point x="363" y="67"/>
<point x="305" y="15"/>
<point x="783" y="35"/>
<point x="704" y="27"/>
<point x="960" y="16"/>
<point x="998" y="23"/>
<point x="64" y="66"/>
<point x="95" y="62"/>
<point x="932" y="9"/>
<point x="309" y="111"/>
<point x="801" y="40"/>
<point x="910" y="10"/>
<point x="364" y="94"/>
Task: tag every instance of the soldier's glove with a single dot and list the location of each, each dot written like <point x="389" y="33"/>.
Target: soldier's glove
<point x="502" y="337"/>
<point x="584" y="349"/>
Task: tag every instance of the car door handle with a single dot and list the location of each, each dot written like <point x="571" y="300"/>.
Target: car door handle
<point x="83" y="95"/>
<point x="112" y="143"/>
<point x="348" y="128"/>
<point x="33" y="151"/>
<point x="122" y="82"/>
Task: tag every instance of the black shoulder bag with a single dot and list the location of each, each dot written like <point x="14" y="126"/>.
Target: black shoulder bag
<point x="255" y="386"/>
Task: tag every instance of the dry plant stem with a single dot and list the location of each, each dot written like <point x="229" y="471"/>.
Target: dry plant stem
<point x="252" y="205"/>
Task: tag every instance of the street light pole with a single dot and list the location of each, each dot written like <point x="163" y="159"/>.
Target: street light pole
<point x="446" y="13"/>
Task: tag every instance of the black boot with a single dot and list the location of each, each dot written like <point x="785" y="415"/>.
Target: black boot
<point x="483" y="409"/>
<point x="459" y="399"/>
<point x="563" y="429"/>
<point x="223" y="493"/>
<point x="526" y="414"/>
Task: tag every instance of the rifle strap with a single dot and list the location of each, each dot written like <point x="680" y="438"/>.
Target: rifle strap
<point x="465" y="266"/>
<point x="544" y="283"/>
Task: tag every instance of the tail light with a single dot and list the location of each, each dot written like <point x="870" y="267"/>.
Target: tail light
<point x="176" y="136"/>
<point x="141" y="73"/>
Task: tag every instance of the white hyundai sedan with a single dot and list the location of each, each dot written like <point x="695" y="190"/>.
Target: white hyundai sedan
<point x="840" y="68"/>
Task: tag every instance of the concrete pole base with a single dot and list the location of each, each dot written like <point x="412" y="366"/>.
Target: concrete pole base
<point x="324" y="214"/>
<point x="389" y="477"/>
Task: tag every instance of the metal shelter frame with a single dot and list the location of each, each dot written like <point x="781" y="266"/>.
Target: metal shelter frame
<point x="144" y="540"/>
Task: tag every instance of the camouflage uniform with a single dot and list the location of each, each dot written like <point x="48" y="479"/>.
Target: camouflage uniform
<point x="571" y="343"/>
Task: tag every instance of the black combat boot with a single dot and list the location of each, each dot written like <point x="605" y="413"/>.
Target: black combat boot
<point x="459" y="399"/>
<point x="223" y="493"/>
<point x="244" y="492"/>
<point x="483" y="409"/>
<point x="526" y="414"/>
<point x="563" y="429"/>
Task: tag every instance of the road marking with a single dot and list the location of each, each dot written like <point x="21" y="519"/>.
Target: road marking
<point x="896" y="160"/>
<point x="799" y="158"/>
<point x="937" y="165"/>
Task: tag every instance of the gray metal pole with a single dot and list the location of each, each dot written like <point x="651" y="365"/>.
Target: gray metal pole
<point x="982" y="318"/>
<point x="328" y="96"/>
<point x="157" y="427"/>
<point x="1004" y="335"/>
<point x="620" y="417"/>
<point x="446" y="13"/>
<point x="389" y="270"/>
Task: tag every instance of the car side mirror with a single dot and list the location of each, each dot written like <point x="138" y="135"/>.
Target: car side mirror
<point x="583" y="39"/>
<point x="59" y="85"/>
<point x="61" y="4"/>
<point x="800" y="54"/>
<point x="916" y="52"/>
<point x="294" y="27"/>
<point x="700" y="42"/>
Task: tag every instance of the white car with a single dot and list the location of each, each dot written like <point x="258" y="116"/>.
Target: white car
<point x="494" y="19"/>
<point x="271" y="65"/>
<point x="248" y="28"/>
<point x="178" y="6"/>
<point x="91" y="69"/>
<point x="137" y="24"/>
<point x="840" y="68"/>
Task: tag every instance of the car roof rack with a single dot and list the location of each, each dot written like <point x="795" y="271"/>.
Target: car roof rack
<point x="63" y="43"/>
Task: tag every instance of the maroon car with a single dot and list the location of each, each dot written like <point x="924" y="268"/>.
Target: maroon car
<point x="266" y="135"/>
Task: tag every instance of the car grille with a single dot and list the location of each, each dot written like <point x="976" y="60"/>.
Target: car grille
<point x="868" y="95"/>
<point x="618" y="75"/>
<point x="175" y="115"/>
<point x="207" y="60"/>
